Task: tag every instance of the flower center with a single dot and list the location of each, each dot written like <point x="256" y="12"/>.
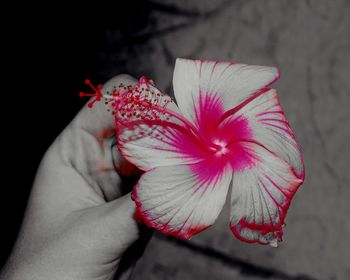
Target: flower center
<point x="220" y="147"/>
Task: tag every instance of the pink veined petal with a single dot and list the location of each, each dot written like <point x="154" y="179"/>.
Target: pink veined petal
<point x="270" y="128"/>
<point x="178" y="200"/>
<point x="260" y="197"/>
<point x="231" y="82"/>
<point x="150" y="142"/>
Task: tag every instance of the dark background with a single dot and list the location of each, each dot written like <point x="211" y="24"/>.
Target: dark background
<point x="52" y="51"/>
<point x="55" y="48"/>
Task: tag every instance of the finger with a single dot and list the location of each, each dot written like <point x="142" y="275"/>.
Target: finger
<point x="120" y="230"/>
<point x="88" y="141"/>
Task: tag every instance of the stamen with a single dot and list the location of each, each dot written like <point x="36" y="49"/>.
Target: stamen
<point x="140" y="102"/>
<point x="146" y="102"/>
<point x="97" y="93"/>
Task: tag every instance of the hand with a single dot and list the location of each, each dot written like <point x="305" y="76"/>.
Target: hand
<point x="78" y="224"/>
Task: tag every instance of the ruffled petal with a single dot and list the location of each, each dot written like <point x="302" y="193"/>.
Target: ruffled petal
<point x="270" y="128"/>
<point x="181" y="200"/>
<point x="230" y="83"/>
<point x="261" y="195"/>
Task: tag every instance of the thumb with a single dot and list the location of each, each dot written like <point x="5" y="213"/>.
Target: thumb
<point x="118" y="228"/>
<point x="125" y="240"/>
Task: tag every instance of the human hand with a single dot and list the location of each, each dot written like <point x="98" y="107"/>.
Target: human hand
<point x="78" y="224"/>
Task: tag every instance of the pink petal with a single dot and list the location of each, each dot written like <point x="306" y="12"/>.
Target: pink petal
<point x="270" y="128"/>
<point x="231" y="82"/>
<point x="180" y="200"/>
<point x="261" y="195"/>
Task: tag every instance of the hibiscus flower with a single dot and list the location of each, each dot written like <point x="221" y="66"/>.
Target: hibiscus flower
<point x="227" y="130"/>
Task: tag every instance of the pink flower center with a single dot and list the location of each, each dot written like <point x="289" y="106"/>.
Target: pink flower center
<point x="214" y="137"/>
<point x="220" y="148"/>
<point x="222" y="139"/>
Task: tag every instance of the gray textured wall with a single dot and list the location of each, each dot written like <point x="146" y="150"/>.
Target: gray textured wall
<point x="309" y="41"/>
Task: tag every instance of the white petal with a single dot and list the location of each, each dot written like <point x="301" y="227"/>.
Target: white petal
<point x="152" y="144"/>
<point x="232" y="82"/>
<point x="271" y="129"/>
<point x="261" y="196"/>
<point x="177" y="201"/>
